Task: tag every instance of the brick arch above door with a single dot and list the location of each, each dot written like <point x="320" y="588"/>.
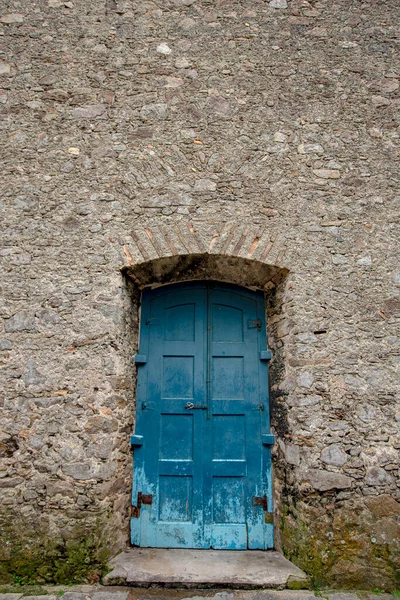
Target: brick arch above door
<point x="245" y="254"/>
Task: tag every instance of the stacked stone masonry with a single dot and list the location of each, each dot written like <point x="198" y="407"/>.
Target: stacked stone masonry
<point x="228" y="139"/>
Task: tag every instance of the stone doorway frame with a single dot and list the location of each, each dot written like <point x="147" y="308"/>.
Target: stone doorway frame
<point x="141" y="270"/>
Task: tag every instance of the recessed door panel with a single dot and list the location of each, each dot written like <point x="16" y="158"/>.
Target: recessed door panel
<point x="176" y="500"/>
<point x="228" y="437"/>
<point x="221" y="315"/>
<point x="178" y="376"/>
<point x="176" y="437"/>
<point x="228" y="377"/>
<point x="179" y="323"/>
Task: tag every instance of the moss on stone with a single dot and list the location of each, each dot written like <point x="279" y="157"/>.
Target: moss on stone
<point x="336" y="557"/>
<point x="295" y="583"/>
<point x="35" y="557"/>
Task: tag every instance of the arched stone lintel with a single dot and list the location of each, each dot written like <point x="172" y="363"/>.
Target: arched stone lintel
<point x="231" y="269"/>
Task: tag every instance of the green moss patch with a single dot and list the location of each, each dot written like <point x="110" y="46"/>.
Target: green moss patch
<point x="33" y="557"/>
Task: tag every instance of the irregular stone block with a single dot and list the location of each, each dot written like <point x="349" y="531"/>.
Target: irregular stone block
<point x="5" y="68"/>
<point x="310" y="149"/>
<point x="377" y="476"/>
<point x="379" y="101"/>
<point x="79" y="470"/>
<point x="12" y="18"/>
<point x="95" y="111"/>
<point x="21" y="321"/>
<point x="32" y="376"/>
<point x="5" y="345"/>
<point x="110" y="595"/>
<point x="325" y="480"/>
<point x="154" y="111"/>
<point x="306" y="379"/>
<point x="383" y="505"/>
<point x="76" y="596"/>
<point x="10" y="482"/>
<point x="163" y="49"/>
<point x="205" y="185"/>
<point x="278" y="3"/>
<point x="334" y="455"/>
<point x="327" y="173"/>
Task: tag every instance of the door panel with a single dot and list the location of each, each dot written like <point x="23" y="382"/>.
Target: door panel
<point x="202" y="407"/>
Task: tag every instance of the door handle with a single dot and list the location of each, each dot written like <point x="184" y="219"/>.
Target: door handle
<point x="191" y="406"/>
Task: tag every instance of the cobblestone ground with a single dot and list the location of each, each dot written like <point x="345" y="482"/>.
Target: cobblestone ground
<point x="115" y="593"/>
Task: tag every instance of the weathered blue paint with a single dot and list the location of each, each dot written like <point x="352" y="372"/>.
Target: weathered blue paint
<point x="202" y="447"/>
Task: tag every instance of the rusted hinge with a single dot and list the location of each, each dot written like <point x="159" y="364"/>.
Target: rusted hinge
<point x="254" y="324"/>
<point x="261" y="501"/>
<point x="141" y="499"/>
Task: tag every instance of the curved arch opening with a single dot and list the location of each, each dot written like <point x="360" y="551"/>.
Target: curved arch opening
<point x="229" y="269"/>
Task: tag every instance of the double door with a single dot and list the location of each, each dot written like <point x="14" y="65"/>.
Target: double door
<point x="202" y="463"/>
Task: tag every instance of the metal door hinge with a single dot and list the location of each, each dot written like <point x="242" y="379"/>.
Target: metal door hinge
<point x="150" y="321"/>
<point x="254" y="324"/>
<point x="269" y="518"/>
<point x="260" y="501"/>
<point x="141" y="499"/>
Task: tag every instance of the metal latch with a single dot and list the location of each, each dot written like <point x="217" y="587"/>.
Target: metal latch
<point x="254" y="324"/>
<point x="191" y="406"/>
<point x="141" y="499"/>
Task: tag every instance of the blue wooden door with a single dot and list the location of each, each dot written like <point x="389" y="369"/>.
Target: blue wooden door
<point x="202" y="464"/>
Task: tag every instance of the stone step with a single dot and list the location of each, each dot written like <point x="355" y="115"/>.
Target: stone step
<point x="205" y="568"/>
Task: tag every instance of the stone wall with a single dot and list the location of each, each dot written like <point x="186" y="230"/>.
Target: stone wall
<point x="263" y="131"/>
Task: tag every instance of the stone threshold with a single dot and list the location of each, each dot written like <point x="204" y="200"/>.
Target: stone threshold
<point x="247" y="569"/>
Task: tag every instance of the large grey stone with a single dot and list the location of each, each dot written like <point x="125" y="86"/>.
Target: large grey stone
<point x="11" y="18"/>
<point x="5" y="345"/>
<point x="95" y="111"/>
<point x="10" y="482"/>
<point x="378" y="476"/>
<point x="278" y="3"/>
<point x="334" y="455"/>
<point x="326" y="480"/>
<point x="154" y="111"/>
<point x="212" y="567"/>
<point x="21" y="321"/>
<point x="205" y="185"/>
<point x="77" y="596"/>
<point x="80" y="471"/>
<point x="32" y="375"/>
<point x="106" y="595"/>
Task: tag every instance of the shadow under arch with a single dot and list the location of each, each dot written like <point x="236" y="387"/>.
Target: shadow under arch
<point x="230" y="269"/>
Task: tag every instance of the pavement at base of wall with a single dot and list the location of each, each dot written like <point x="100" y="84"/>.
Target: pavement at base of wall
<point x="86" y="592"/>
